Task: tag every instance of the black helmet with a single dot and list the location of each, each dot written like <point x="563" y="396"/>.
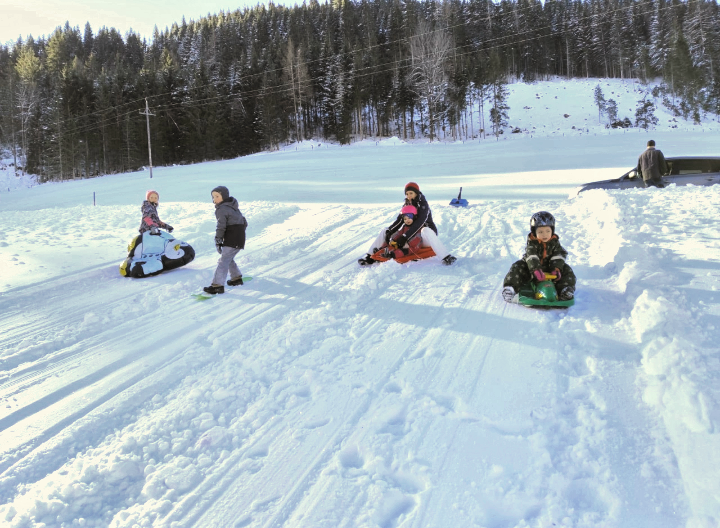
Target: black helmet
<point x="542" y="218"/>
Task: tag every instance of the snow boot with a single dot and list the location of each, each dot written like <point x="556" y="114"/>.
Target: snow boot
<point x="567" y="293"/>
<point x="214" y="289"/>
<point x="367" y="260"/>
<point x="388" y="253"/>
<point x="449" y="260"/>
<point x="235" y="282"/>
<point x="508" y="293"/>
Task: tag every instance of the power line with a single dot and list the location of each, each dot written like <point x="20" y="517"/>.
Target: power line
<point x="358" y="73"/>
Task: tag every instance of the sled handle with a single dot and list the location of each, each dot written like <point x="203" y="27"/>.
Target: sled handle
<point x="549" y="276"/>
<point x="460" y="194"/>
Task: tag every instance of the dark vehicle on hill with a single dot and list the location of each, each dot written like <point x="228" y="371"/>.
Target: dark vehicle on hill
<point x="683" y="171"/>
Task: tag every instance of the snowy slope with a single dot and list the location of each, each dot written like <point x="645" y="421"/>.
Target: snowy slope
<point x="322" y="394"/>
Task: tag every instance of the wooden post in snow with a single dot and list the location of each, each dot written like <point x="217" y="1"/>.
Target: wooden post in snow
<point x="147" y="115"/>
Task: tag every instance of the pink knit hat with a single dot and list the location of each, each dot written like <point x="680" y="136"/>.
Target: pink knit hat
<point x="147" y="194"/>
<point x="409" y="209"/>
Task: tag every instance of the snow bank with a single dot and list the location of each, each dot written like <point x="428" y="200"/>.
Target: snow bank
<point x="385" y="395"/>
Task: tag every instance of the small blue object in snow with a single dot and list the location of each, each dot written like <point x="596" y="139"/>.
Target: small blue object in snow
<point x="459" y="201"/>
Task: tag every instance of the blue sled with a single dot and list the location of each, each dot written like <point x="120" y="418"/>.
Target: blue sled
<point x="459" y="201"/>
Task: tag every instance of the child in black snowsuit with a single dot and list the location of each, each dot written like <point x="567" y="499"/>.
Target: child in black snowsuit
<point x="543" y="253"/>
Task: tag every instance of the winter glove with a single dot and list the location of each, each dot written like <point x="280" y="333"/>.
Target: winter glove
<point x="169" y="228"/>
<point x="401" y="241"/>
<point x="218" y="245"/>
<point x="154" y="230"/>
<point x="539" y="275"/>
<point x="557" y="275"/>
<point x="387" y="236"/>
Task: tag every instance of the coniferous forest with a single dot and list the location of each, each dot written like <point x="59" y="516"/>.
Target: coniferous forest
<point x="73" y="104"/>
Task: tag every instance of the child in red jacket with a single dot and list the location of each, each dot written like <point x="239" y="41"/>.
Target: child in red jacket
<point x="393" y="249"/>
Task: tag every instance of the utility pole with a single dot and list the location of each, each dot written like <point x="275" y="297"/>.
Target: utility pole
<point x="147" y="115"/>
<point x="12" y="123"/>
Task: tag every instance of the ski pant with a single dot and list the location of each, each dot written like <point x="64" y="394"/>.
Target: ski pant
<point x="519" y="275"/>
<point x="225" y="264"/>
<point x="427" y="235"/>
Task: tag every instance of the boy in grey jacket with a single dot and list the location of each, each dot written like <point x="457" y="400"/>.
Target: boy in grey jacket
<point x="229" y="239"/>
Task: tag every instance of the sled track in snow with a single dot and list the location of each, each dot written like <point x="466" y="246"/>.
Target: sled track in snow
<point x="67" y="394"/>
<point x="56" y="410"/>
<point x="135" y="367"/>
<point x="229" y="486"/>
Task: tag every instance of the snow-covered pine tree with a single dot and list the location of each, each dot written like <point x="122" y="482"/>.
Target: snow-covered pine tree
<point x="645" y="114"/>
<point x="600" y="102"/>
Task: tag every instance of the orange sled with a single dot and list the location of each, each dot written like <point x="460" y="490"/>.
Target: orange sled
<point x="418" y="254"/>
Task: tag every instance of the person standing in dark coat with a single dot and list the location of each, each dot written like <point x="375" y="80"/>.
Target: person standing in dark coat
<point x="652" y="165"/>
<point x="229" y="239"/>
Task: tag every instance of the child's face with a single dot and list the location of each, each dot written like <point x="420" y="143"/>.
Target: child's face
<point x="216" y="197"/>
<point x="410" y="195"/>
<point x="407" y="220"/>
<point x="154" y="198"/>
<point x="543" y="233"/>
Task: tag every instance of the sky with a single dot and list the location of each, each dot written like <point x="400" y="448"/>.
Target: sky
<point x="41" y="17"/>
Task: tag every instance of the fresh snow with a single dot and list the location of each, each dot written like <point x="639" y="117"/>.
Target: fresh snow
<point x="323" y="394"/>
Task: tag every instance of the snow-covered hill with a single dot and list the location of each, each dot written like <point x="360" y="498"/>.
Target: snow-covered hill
<point x="322" y="394"/>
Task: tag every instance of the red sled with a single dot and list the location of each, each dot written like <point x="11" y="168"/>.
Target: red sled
<point x="417" y="254"/>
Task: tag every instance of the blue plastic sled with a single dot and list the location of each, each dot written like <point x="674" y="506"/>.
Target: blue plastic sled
<point x="459" y="201"/>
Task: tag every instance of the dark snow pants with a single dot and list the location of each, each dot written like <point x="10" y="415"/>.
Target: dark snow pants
<point x="519" y="275"/>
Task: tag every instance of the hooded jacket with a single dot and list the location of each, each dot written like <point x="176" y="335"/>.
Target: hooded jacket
<point x="422" y="219"/>
<point x="231" y="224"/>
<point x="545" y="256"/>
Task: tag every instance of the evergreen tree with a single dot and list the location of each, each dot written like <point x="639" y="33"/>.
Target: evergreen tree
<point x="240" y="81"/>
<point x="27" y="95"/>
<point x="430" y="51"/>
<point x="600" y="102"/>
<point x="645" y="114"/>
<point x="611" y="109"/>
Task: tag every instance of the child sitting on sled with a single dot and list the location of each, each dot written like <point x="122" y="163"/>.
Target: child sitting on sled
<point x="392" y="249"/>
<point x="421" y="224"/>
<point x="150" y="219"/>
<point x="402" y="245"/>
<point x="543" y="253"/>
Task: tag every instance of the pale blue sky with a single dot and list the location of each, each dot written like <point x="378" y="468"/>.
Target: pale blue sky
<point x="41" y="17"/>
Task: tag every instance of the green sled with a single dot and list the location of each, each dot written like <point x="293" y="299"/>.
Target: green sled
<point x="542" y="294"/>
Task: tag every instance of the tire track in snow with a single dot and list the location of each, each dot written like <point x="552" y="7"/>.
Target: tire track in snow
<point x="319" y="460"/>
<point x="249" y="314"/>
<point x="31" y="379"/>
<point x="81" y="398"/>
<point x="299" y="493"/>
<point x="306" y="473"/>
<point x="57" y="362"/>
